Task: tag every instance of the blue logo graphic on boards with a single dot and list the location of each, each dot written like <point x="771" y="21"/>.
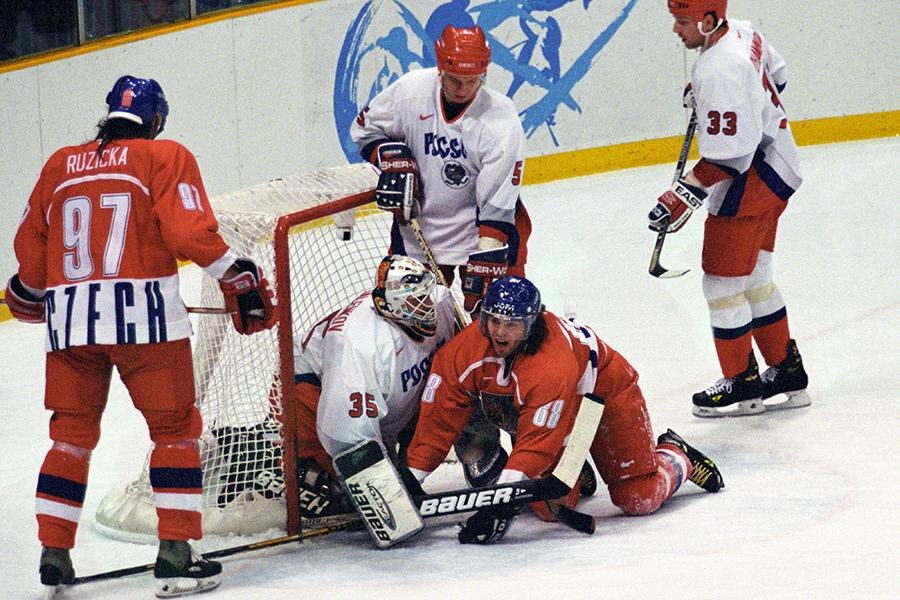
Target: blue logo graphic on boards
<point x="387" y="38"/>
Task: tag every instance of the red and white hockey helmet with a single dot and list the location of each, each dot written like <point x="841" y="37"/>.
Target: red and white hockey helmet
<point x="697" y="9"/>
<point x="403" y="293"/>
<point x="463" y="51"/>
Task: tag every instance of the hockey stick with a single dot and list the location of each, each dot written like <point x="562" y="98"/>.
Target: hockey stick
<point x="560" y="482"/>
<point x="462" y="318"/>
<point x="197" y="310"/>
<point x="557" y="485"/>
<point x="656" y="269"/>
<point x="279" y="541"/>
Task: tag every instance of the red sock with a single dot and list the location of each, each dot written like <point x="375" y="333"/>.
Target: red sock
<point x="61" y="486"/>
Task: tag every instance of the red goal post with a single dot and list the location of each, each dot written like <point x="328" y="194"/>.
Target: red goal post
<point x="319" y="239"/>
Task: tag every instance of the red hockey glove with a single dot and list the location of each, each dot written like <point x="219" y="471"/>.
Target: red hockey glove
<point x="483" y="268"/>
<point x="674" y="208"/>
<point x="25" y="304"/>
<point x="248" y="298"/>
<point x="398" y="185"/>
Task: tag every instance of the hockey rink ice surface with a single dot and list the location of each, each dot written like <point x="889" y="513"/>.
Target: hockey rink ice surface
<point x="809" y="505"/>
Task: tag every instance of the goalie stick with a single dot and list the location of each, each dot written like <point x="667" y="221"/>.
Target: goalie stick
<point x="462" y="318"/>
<point x="656" y="269"/>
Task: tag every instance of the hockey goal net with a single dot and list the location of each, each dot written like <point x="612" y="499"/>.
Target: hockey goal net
<point x="318" y="238"/>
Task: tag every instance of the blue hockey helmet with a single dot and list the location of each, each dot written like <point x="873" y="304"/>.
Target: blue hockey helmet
<point x="137" y="100"/>
<point x="512" y="298"/>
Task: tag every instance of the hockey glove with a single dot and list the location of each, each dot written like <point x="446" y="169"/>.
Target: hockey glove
<point x="321" y="495"/>
<point x="25" y="304"/>
<point x="687" y="97"/>
<point x="398" y="185"/>
<point x="248" y="298"/>
<point x="488" y="525"/>
<point x="483" y="268"/>
<point x="674" y="208"/>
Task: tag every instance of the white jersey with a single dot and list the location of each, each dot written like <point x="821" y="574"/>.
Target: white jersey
<point x="470" y="167"/>
<point x="370" y="370"/>
<point x="741" y="120"/>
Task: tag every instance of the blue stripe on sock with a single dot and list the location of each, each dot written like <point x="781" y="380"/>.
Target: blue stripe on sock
<point x="173" y="477"/>
<point x="776" y="316"/>
<point x="730" y="334"/>
<point x="60" y="487"/>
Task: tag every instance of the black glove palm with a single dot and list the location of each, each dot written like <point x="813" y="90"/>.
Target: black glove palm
<point x="488" y="525"/>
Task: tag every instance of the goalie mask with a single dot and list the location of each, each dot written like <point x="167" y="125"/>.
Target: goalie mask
<point x="404" y="293"/>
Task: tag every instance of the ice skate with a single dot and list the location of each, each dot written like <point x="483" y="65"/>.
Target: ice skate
<point x="704" y="471"/>
<point x="182" y="571"/>
<point x="56" y="571"/>
<point x="732" y="396"/>
<point x="788" y="378"/>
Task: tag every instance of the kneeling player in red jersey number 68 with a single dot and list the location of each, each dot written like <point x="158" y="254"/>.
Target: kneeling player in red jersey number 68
<point x="525" y="369"/>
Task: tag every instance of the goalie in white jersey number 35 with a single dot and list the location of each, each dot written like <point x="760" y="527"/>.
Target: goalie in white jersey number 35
<point x="359" y="374"/>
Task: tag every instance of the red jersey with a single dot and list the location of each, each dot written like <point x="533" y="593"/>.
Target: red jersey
<point x="102" y="234"/>
<point x="535" y="398"/>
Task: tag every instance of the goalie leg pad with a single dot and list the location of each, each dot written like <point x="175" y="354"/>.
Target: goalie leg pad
<point x="375" y="490"/>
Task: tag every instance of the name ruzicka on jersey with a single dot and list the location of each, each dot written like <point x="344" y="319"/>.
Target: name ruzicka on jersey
<point x="115" y="156"/>
<point x="439" y="145"/>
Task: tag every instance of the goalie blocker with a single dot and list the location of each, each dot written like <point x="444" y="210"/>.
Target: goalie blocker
<point x="375" y="490"/>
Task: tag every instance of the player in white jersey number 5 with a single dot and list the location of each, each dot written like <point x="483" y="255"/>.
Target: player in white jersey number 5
<point x="451" y="154"/>
<point x="359" y="374"/>
<point x="748" y="170"/>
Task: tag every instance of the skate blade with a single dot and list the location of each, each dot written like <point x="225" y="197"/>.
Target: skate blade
<point x="738" y="409"/>
<point x="797" y="399"/>
<point x="183" y="586"/>
<point x="53" y="591"/>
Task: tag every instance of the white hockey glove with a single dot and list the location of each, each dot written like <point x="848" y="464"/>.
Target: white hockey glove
<point x="687" y="97"/>
<point x="674" y="207"/>
<point x="398" y="184"/>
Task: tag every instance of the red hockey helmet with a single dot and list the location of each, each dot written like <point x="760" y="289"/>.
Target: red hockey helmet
<point x="463" y="51"/>
<point x="697" y="9"/>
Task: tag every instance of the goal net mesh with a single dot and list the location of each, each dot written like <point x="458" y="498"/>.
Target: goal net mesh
<point x="333" y="253"/>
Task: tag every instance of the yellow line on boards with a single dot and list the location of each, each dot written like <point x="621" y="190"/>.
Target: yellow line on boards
<point x="550" y="167"/>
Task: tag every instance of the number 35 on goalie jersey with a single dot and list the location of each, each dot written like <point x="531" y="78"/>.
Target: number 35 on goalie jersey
<point x="370" y="371"/>
<point x="102" y="235"/>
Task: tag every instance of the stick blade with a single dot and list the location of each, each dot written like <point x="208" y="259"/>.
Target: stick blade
<point x="661" y="273"/>
<point x="578" y="521"/>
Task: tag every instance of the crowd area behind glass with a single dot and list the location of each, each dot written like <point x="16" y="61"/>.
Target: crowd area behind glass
<point x="30" y="27"/>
